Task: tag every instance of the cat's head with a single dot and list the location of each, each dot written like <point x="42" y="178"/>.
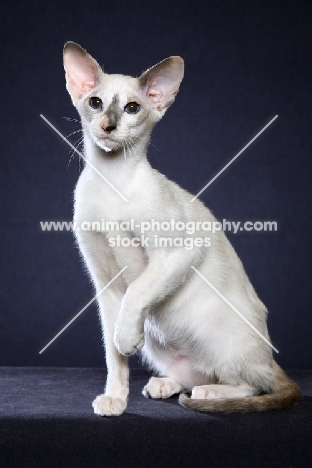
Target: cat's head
<point x="116" y="109"/>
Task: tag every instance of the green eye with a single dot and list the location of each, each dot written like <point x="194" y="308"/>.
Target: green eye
<point x="132" y="107"/>
<point x="95" y="102"/>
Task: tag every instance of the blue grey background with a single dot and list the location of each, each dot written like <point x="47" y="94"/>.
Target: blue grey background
<point x="246" y="61"/>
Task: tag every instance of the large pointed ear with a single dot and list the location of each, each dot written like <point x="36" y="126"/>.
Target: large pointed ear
<point x="161" y="82"/>
<point x="82" y="71"/>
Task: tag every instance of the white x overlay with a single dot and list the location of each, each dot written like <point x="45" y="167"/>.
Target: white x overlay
<point x="233" y="159"/>
<point x="83" y="157"/>
<point x="83" y="309"/>
<point x="234" y="308"/>
<point x="193" y="199"/>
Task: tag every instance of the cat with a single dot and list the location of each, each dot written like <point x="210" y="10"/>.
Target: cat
<point x="159" y="305"/>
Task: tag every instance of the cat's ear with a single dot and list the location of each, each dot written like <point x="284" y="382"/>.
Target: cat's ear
<point x="161" y="83"/>
<point x="82" y="71"/>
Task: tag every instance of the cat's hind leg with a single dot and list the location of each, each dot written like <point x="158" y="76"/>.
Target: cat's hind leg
<point x="161" y="387"/>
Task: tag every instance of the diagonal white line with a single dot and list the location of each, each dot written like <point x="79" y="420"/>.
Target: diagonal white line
<point x="234" y="308"/>
<point x="83" y="157"/>
<point x="84" y="308"/>
<point x="233" y="159"/>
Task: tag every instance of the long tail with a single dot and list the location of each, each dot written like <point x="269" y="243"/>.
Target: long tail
<point x="286" y="394"/>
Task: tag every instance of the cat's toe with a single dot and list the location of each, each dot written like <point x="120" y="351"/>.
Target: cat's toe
<point x="105" y="405"/>
<point x="204" y="392"/>
<point x="127" y="347"/>
<point x="160" y="387"/>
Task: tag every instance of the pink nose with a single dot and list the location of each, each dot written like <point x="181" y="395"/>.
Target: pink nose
<point x="109" y="129"/>
<point x="106" y="127"/>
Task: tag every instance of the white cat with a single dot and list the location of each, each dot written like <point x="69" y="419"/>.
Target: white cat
<point x="188" y="334"/>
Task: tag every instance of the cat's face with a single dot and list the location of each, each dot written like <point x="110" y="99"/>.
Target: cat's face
<point x="118" y="110"/>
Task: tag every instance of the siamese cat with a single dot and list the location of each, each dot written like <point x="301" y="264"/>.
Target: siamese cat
<point x="159" y="305"/>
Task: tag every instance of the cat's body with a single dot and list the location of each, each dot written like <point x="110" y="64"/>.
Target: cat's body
<point x="188" y="334"/>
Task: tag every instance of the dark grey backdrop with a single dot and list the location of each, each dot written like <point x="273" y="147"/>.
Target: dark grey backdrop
<point x="245" y="62"/>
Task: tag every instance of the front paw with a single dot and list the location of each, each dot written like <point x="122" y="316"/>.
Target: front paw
<point x="105" y="405"/>
<point x="128" y="343"/>
<point x="161" y="387"/>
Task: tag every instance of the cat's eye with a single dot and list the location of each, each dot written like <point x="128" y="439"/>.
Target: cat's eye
<point x="95" y="102"/>
<point x="132" y="107"/>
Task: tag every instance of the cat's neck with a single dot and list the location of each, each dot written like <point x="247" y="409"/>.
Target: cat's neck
<point x="120" y="166"/>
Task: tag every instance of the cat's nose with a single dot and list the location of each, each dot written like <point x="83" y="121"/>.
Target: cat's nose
<point x="106" y="125"/>
<point x="109" y="129"/>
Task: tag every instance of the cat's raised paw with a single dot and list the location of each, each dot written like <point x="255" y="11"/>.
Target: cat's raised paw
<point x="161" y="387"/>
<point x="128" y="344"/>
<point x="105" y="405"/>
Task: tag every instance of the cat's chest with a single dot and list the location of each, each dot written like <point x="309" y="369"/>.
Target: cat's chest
<point x="107" y="223"/>
<point x="96" y="201"/>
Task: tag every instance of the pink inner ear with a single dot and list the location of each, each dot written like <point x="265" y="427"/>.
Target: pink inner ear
<point x="162" y="82"/>
<point x="155" y="95"/>
<point x="87" y="86"/>
<point x="80" y="75"/>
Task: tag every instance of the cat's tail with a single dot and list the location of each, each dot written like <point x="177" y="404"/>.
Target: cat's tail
<point x="286" y="394"/>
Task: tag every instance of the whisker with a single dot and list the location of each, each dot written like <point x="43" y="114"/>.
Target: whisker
<point x="124" y="151"/>
<point x="76" y="144"/>
<point x="72" y="120"/>
<point x="80" y="142"/>
<point x="131" y="144"/>
<point x="71" y="156"/>
<point x="154" y="146"/>
<point x="75" y="131"/>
